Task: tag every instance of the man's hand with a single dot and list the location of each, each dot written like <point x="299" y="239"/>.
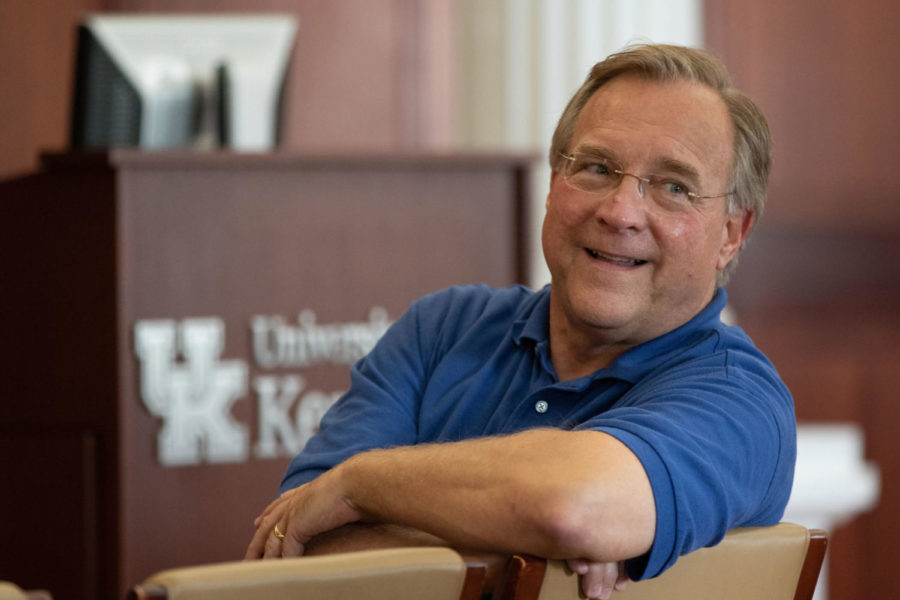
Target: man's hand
<point x="301" y="514"/>
<point x="599" y="579"/>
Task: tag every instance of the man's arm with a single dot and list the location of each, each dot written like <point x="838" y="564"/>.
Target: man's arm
<point x="547" y="492"/>
<point x="354" y="537"/>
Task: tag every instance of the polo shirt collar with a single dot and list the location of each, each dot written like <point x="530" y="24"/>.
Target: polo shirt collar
<point x="533" y="321"/>
<point x="635" y="363"/>
<point x="534" y="324"/>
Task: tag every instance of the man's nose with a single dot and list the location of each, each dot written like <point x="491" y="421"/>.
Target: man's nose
<point x="625" y="207"/>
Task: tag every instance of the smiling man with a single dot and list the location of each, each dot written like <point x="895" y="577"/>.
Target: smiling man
<point x="610" y="419"/>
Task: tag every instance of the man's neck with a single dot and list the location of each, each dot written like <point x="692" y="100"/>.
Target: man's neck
<point x="575" y="354"/>
<point x="577" y="349"/>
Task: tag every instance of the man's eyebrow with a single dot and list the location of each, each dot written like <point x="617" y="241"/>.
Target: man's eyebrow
<point x="676" y="167"/>
<point x="591" y="150"/>
<point x="662" y="165"/>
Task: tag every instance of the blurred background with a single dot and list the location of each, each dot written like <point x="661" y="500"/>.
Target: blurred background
<point x="819" y="285"/>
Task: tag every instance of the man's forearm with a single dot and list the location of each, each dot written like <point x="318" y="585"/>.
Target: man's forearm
<point x="353" y="537"/>
<point x="547" y="492"/>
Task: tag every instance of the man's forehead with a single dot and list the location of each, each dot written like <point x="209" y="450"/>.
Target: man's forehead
<point x="681" y="120"/>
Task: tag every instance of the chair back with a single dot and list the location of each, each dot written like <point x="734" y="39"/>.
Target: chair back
<point x="392" y="574"/>
<point x="10" y="591"/>
<point x="781" y="562"/>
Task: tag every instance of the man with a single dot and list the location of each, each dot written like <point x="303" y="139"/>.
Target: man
<point x="609" y="417"/>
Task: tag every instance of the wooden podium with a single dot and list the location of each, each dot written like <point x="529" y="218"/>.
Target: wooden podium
<point x="174" y="325"/>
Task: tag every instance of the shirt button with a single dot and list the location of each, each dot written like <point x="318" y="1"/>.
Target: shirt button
<point x="541" y="406"/>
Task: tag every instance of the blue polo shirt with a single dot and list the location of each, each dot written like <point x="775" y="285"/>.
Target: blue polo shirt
<point x="704" y="411"/>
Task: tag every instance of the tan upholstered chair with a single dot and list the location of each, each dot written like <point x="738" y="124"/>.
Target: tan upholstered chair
<point x="10" y="591"/>
<point x="391" y="574"/>
<point x="781" y="562"/>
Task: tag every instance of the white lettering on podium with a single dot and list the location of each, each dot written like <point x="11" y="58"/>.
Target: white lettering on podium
<point x="184" y="382"/>
<point x="277" y="344"/>
<point x="276" y="397"/>
<point x="194" y="399"/>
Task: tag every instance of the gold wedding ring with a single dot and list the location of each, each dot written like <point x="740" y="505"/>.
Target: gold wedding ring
<point x="278" y="533"/>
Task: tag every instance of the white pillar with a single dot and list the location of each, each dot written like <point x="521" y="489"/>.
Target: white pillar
<point x="832" y="482"/>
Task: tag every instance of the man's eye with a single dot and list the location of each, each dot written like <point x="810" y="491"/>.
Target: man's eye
<point x="675" y="188"/>
<point x="597" y="168"/>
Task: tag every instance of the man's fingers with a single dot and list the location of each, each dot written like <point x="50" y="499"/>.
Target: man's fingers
<point x="272" y="506"/>
<point x="262" y="544"/>
<point x="275" y="540"/>
<point x="622" y="580"/>
<point x="600" y="579"/>
<point x="257" y="546"/>
<point x="578" y="565"/>
<point x="292" y="546"/>
<point x="265" y="527"/>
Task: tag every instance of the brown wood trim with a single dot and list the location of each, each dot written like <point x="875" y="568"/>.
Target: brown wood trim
<point x="523" y="578"/>
<point x="473" y="585"/>
<point x="495" y="567"/>
<point x="812" y="565"/>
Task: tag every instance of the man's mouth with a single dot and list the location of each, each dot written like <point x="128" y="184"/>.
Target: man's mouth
<point x="616" y="260"/>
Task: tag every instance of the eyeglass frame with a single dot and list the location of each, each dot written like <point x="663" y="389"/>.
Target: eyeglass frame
<point x="641" y="180"/>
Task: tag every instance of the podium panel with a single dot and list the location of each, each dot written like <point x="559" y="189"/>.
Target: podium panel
<point x="178" y="323"/>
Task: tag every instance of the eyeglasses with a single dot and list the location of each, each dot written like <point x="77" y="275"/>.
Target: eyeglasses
<point x="598" y="175"/>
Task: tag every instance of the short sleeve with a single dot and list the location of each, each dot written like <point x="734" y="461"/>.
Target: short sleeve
<point x="379" y="409"/>
<point x="717" y="439"/>
<point x="382" y="407"/>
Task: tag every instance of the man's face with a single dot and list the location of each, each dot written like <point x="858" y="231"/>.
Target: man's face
<point x="625" y="268"/>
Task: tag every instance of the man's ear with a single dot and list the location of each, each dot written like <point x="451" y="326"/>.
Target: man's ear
<point x="737" y="228"/>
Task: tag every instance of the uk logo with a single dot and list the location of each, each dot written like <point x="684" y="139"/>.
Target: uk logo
<point x="193" y="396"/>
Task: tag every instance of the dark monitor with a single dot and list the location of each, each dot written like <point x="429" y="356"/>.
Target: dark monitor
<point x="180" y="81"/>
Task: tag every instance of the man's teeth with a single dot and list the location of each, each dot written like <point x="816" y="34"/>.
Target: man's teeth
<point x="615" y="259"/>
